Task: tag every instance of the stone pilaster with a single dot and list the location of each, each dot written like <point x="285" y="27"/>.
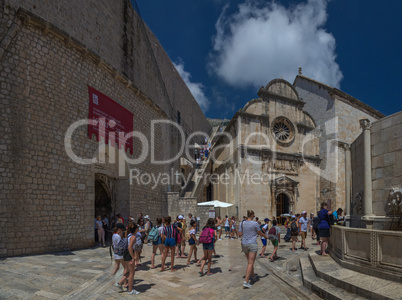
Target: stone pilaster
<point x="368" y="198"/>
<point x="348" y="181"/>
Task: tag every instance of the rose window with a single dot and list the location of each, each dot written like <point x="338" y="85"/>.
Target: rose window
<point x="283" y="130"/>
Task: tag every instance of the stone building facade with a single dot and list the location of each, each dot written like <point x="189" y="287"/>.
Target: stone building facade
<point x="267" y="157"/>
<point x="49" y="54"/>
<point x="337" y="116"/>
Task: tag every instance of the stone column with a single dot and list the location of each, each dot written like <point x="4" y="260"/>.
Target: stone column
<point x="348" y="181"/>
<point x="368" y="198"/>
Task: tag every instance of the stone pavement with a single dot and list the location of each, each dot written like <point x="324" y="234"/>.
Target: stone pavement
<point x="85" y="274"/>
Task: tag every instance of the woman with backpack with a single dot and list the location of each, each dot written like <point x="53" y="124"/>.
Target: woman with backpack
<point x="155" y="234"/>
<point x="207" y="238"/>
<point x="294" y="232"/>
<point x="316" y="222"/>
<point x="141" y="235"/>
<point x="192" y="241"/>
<point x="249" y="229"/>
<point x="129" y="257"/>
<point x="274" y="235"/>
<point x="324" y="226"/>
<point x="179" y="235"/>
<point x="117" y="250"/>
<point x="168" y="238"/>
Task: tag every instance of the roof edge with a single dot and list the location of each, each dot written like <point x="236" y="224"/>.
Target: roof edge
<point x="344" y="97"/>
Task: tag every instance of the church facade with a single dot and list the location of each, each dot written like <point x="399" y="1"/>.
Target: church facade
<point x="268" y="155"/>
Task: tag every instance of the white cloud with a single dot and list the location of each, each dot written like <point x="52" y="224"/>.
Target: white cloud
<point x="196" y="88"/>
<point x="263" y="41"/>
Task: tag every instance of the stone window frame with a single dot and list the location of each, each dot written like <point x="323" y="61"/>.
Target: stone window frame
<point x="284" y="123"/>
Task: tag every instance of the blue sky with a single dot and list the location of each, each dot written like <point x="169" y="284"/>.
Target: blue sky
<point x="226" y="49"/>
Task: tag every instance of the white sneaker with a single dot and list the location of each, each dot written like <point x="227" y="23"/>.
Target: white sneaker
<point x="247" y="285"/>
<point x="219" y="239"/>
<point x="118" y="285"/>
<point x="133" y="292"/>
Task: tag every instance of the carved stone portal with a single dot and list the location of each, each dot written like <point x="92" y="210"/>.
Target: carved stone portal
<point x="287" y="186"/>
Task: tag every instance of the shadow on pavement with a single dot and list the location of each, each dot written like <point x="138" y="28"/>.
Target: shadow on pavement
<point x="142" y="288"/>
<point x="216" y="270"/>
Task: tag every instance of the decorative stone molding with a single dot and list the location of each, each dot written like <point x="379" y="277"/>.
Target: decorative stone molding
<point x="365" y="124"/>
<point x="357" y="202"/>
<point x="372" y="252"/>
<point x="287" y="186"/>
<point x="394" y="202"/>
<point x="374" y="248"/>
<point x="266" y="153"/>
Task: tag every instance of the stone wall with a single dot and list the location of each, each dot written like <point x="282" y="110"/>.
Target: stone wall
<point x="48" y="58"/>
<point x="114" y="32"/>
<point x="183" y="206"/>
<point x="386" y="160"/>
<point x="337" y="116"/>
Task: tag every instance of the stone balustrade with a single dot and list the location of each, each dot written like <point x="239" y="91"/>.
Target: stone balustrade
<point x="373" y="252"/>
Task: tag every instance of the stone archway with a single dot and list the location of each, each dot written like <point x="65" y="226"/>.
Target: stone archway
<point x="105" y="203"/>
<point x="287" y="188"/>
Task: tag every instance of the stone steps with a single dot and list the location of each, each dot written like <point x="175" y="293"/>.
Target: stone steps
<point x="327" y="272"/>
<point x="320" y="286"/>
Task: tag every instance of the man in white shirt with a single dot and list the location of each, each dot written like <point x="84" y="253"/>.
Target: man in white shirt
<point x="303" y="226"/>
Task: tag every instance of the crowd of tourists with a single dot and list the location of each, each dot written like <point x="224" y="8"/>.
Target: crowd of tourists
<point x="202" y="152"/>
<point x="170" y="236"/>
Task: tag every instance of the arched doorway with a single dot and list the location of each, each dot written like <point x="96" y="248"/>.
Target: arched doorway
<point x="282" y="207"/>
<point x="103" y="205"/>
<point x="103" y="201"/>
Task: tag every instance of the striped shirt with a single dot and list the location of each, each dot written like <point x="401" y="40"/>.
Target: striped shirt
<point x="169" y="231"/>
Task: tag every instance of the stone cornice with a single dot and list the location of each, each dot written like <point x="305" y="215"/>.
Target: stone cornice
<point x="279" y="155"/>
<point x="304" y="128"/>
<point x="264" y="94"/>
<point x="346" y="98"/>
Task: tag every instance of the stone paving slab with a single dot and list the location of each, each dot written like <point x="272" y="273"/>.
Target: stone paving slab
<point x="85" y="274"/>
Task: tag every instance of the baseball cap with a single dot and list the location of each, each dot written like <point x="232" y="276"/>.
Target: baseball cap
<point x="181" y="217"/>
<point x="293" y="216"/>
<point x="266" y="220"/>
<point x="146" y="217"/>
<point x="304" y="212"/>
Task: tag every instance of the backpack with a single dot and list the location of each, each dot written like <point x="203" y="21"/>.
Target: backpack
<point x="332" y="220"/>
<point x="316" y="222"/>
<point x="272" y="234"/>
<point x="205" y="236"/>
<point x="293" y="227"/>
<point x="126" y="254"/>
<point x="154" y="234"/>
<point x="121" y="246"/>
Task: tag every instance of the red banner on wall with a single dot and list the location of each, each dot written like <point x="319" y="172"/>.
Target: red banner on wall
<point x="109" y="120"/>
